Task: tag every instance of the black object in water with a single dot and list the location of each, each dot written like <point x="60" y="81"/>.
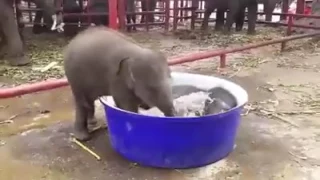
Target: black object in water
<point x="220" y="100"/>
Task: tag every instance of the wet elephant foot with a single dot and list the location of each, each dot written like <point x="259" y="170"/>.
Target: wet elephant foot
<point x="18" y="61"/>
<point x="82" y="135"/>
<point x="93" y="125"/>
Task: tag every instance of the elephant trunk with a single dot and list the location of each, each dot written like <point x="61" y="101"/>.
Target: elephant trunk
<point x="164" y="100"/>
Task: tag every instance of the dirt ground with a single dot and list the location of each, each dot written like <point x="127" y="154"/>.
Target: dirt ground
<point x="279" y="136"/>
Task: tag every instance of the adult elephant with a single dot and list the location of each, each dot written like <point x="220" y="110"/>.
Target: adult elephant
<point x="11" y="44"/>
<point x="236" y="8"/>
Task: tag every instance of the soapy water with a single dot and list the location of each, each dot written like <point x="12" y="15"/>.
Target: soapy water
<point x="191" y="105"/>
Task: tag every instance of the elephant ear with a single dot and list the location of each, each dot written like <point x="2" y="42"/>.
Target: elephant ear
<point x="125" y="70"/>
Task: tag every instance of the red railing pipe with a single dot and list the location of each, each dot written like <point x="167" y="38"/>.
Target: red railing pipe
<point x="52" y="84"/>
<point x="113" y="15"/>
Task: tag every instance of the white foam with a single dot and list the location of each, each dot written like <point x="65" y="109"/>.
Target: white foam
<point x="191" y="105"/>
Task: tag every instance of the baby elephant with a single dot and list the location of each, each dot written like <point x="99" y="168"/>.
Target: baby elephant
<point x="99" y="62"/>
<point x="220" y="99"/>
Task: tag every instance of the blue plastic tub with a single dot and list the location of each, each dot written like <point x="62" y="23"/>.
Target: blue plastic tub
<point x="176" y="142"/>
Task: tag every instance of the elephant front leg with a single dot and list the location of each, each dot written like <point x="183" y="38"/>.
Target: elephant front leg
<point x="268" y="8"/>
<point x="219" y="19"/>
<point x="15" y="51"/>
<point x="240" y="20"/>
<point x="2" y="44"/>
<point x="129" y="28"/>
<point x="37" y="27"/>
<point x="229" y="22"/>
<point x="92" y="121"/>
<point x="205" y="21"/>
<point x="126" y="104"/>
<point x="143" y="9"/>
<point x="252" y="18"/>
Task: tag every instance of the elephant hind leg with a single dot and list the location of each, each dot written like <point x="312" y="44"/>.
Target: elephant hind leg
<point x="15" y="51"/>
<point x="252" y="18"/>
<point x="84" y="112"/>
<point x="205" y="21"/>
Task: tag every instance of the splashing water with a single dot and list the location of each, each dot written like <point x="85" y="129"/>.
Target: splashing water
<point x="191" y="105"/>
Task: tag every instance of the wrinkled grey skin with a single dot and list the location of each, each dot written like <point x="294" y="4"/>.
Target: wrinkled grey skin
<point x="11" y="44"/>
<point x="236" y="7"/>
<point x="101" y="62"/>
<point x="102" y="6"/>
<point x="222" y="100"/>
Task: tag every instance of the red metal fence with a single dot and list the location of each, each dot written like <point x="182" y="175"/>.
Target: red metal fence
<point x="167" y="11"/>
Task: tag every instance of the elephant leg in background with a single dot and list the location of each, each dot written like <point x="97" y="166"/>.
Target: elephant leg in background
<point x="240" y="19"/>
<point x="98" y="6"/>
<point x="20" y="24"/>
<point x="268" y="8"/>
<point x="205" y="22"/>
<point x="130" y="8"/>
<point x="37" y="26"/>
<point x="234" y="7"/>
<point x="219" y="19"/>
<point x="100" y="20"/>
<point x="151" y="6"/>
<point x="2" y="44"/>
<point x="71" y="6"/>
<point x="15" y="51"/>
<point x="252" y="17"/>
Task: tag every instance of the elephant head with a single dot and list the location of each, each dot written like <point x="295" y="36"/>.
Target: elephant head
<point x="148" y="76"/>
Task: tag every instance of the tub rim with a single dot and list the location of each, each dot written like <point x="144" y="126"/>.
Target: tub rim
<point x="108" y="101"/>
